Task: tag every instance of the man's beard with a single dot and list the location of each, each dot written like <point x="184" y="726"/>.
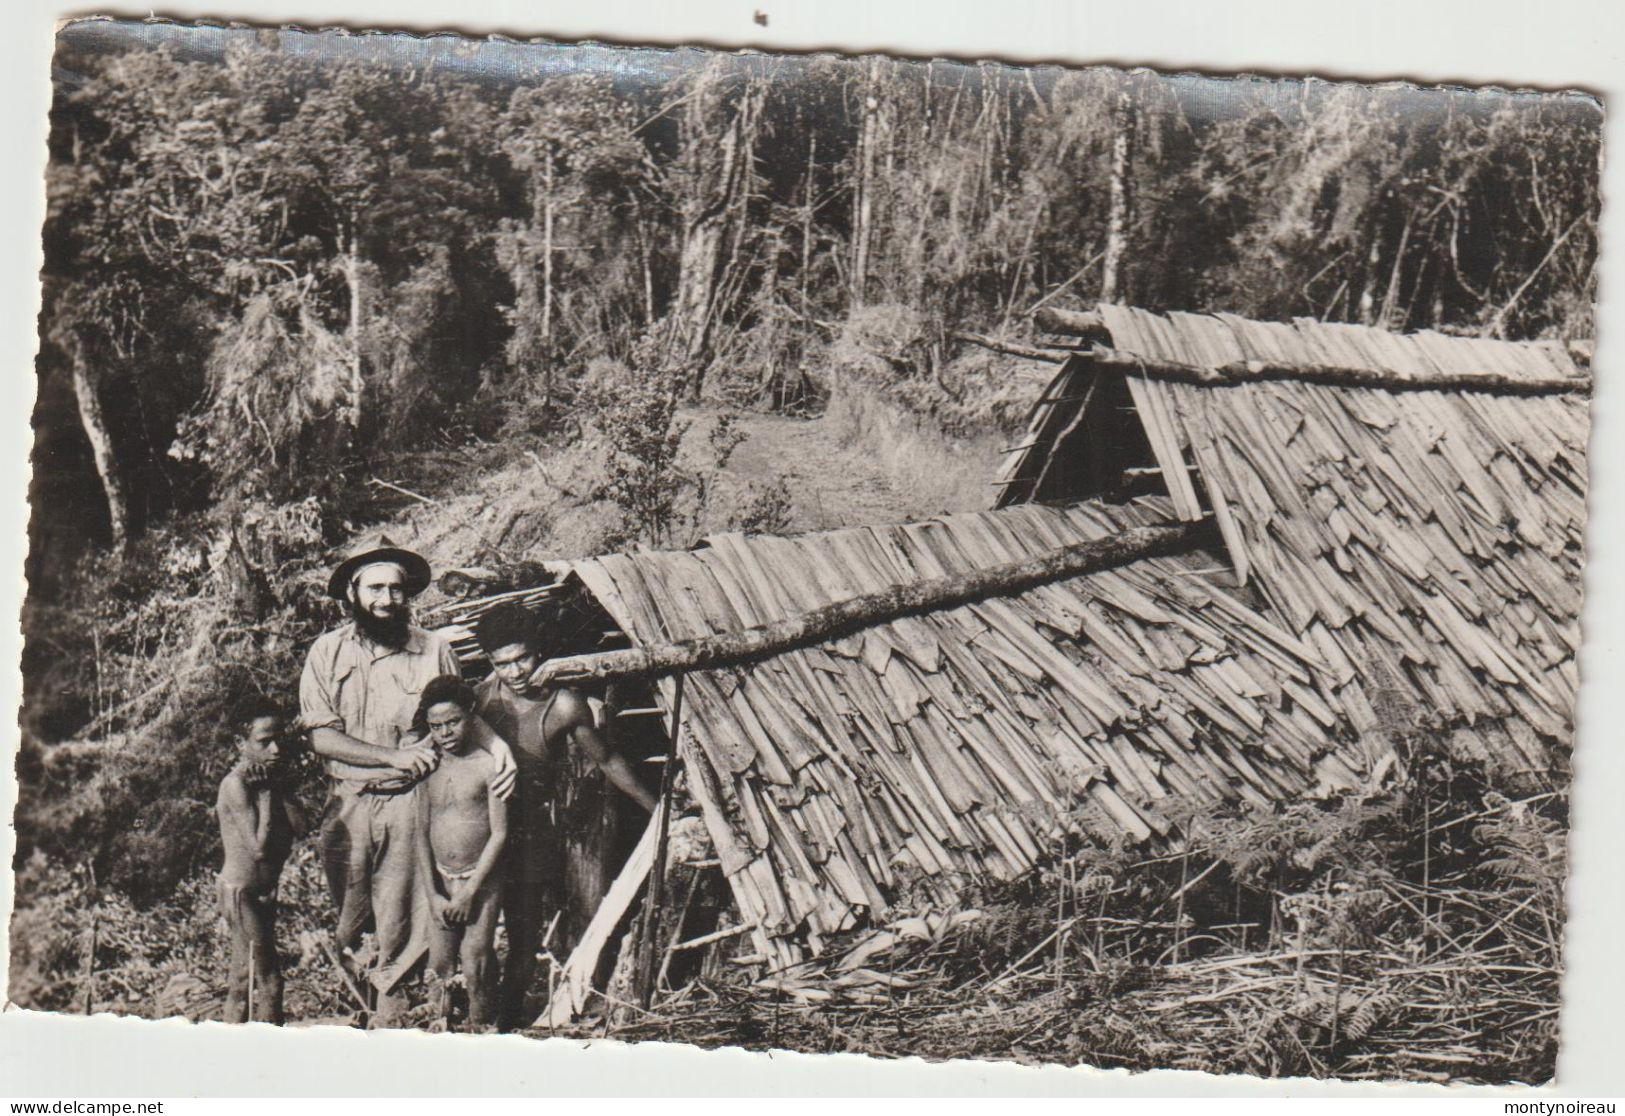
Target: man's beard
<point x="392" y="633"/>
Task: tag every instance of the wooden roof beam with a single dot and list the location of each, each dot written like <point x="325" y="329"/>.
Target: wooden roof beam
<point x="1256" y="371"/>
<point x="1087" y="324"/>
<point x="871" y="609"/>
<point x="1012" y="348"/>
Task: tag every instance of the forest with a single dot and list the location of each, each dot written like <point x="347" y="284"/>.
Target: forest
<point x="276" y="268"/>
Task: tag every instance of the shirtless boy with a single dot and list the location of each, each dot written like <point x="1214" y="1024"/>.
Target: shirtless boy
<point x="460" y="837"/>
<point x="259" y="819"/>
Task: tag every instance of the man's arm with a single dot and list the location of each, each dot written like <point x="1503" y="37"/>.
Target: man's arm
<point x="264" y="804"/>
<point x="318" y="712"/>
<point x="415" y="760"/>
<point x="586" y="736"/>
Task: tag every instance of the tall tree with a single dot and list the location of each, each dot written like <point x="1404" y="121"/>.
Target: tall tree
<point x="584" y="168"/>
<point x="711" y="183"/>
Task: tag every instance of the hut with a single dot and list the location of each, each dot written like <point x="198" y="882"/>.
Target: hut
<point x="1382" y="544"/>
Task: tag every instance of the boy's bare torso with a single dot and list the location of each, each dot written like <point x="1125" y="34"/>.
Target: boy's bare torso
<point x="459" y="794"/>
<point x="256" y="831"/>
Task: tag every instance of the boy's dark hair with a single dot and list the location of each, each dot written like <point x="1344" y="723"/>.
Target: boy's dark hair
<point x="505" y="625"/>
<point x="447" y="687"/>
<point x="254" y="706"/>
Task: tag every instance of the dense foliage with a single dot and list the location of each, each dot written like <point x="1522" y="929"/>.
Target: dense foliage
<point x="265" y="267"/>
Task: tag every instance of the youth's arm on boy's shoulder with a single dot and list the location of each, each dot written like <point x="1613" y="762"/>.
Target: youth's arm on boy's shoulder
<point x="504" y="773"/>
<point x="491" y="854"/>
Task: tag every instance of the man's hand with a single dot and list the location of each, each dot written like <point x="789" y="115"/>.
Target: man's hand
<point x="439" y="907"/>
<point x="417" y="760"/>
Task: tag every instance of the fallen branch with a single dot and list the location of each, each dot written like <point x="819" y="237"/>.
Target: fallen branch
<point x="1049" y="356"/>
<point x="718" y="936"/>
<point x="344" y="974"/>
<point x="402" y="491"/>
<point x="869" y="610"/>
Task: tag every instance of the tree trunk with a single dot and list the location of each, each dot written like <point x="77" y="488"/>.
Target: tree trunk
<point x="352" y="277"/>
<point x="101" y="449"/>
<point x="869" y="610"/>
<point x="1118" y="217"/>
<point x="643" y="262"/>
<point x="715" y="204"/>
<point x="547" y="258"/>
<point x="864" y="208"/>
<point x="807" y="226"/>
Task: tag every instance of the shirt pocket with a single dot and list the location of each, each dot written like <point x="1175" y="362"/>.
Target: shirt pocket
<point x="405" y="690"/>
<point x="347" y="699"/>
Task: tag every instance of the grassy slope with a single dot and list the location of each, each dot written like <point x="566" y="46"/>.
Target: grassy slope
<point x="856" y="465"/>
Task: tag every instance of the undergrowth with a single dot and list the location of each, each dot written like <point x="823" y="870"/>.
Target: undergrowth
<point x="1416" y="935"/>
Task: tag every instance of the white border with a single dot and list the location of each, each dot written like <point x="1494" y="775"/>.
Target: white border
<point x="1552" y="44"/>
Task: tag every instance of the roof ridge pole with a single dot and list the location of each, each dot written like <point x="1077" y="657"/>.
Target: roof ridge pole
<point x="1257" y="371"/>
<point x="869" y="610"/>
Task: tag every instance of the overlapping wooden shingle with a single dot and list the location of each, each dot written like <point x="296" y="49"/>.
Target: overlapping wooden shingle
<point x="1427" y="543"/>
<point x="940" y="750"/>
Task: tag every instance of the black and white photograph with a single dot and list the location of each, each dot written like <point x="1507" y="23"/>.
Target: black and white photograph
<point x="865" y="554"/>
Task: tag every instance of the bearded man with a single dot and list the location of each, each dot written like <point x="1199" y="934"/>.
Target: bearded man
<point x="357" y="697"/>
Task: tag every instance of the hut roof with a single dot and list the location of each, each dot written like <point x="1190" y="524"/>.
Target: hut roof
<point x="949" y="748"/>
<point x="1386" y="558"/>
<point x="1427" y="542"/>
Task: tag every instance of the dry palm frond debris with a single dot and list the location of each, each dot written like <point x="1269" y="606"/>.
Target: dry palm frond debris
<point x="1299" y="944"/>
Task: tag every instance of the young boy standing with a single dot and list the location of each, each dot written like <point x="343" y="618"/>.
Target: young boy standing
<point x="258" y="822"/>
<point x="461" y="833"/>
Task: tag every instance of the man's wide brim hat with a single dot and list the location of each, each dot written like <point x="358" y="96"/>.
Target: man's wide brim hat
<point x="377" y="549"/>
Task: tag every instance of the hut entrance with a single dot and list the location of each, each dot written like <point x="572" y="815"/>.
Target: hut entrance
<point x="1089" y="442"/>
<point x="604" y="926"/>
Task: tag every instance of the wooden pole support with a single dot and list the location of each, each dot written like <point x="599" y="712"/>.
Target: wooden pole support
<point x="1012" y="348"/>
<point x="650" y="928"/>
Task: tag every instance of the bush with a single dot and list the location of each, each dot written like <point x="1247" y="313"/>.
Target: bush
<point x="661" y="490"/>
<point x="898" y="353"/>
